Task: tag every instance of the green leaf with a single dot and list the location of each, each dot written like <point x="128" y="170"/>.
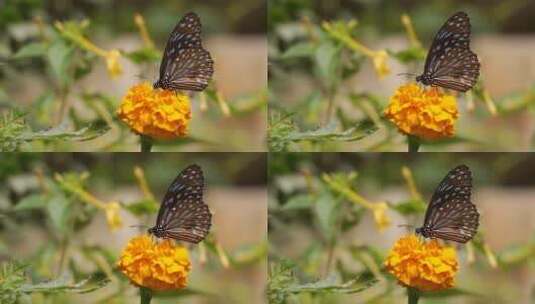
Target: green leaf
<point x="325" y="208"/>
<point x="331" y="285"/>
<point x="60" y="133"/>
<point x="33" y="201"/>
<point x="328" y="61"/>
<point x="142" y="207"/>
<point x="35" y="49"/>
<point x="58" y="210"/>
<point x="299" y="201"/>
<point x="62" y="285"/>
<point x="144" y="55"/>
<point x="409" y="55"/>
<point x="409" y="207"/>
<point x="282" y="283"/>
<point x="330" y="133"/>
<point x="59" y="56"/>
<point x="299" y="50"/>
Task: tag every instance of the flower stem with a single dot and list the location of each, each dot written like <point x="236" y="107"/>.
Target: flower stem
<point x="330" y="106"/>
<point x="145" y="294"/>
<point x="146" y="143"/>
<point x="414" y="295"/>
<point x="414" y="143"/>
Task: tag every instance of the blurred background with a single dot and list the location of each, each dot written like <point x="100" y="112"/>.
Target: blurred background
<point x="56" y="95"/>
<point x="340" y="96"/>
<point x="57" y="237"/>
<point x="326" y="247"/>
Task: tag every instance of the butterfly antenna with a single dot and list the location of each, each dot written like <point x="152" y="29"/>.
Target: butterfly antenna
<point x="409" y="75"/>
<point x="411" y="227"/>
<point x="139" y="226"/>
<point x="141" y="77"/>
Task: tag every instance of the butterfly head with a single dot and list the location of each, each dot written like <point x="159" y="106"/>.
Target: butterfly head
<point x="423" y="231"/>
<point x="157" y="231"/>
<point x="424" y="79"/>
<point x="158" y="84"/>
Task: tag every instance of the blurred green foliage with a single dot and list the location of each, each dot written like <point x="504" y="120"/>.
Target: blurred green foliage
<point x="315" y="255"/>
<point x="56" y="197"/>
<point x="318" y="51"/>
<point x="52" y="46"/>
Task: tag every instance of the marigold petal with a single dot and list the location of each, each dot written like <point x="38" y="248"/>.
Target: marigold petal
<point x="425" y="266"/>
<point x="429" y="114"/>
<point x="158" y="266"/>
<point x="156" y="113"/>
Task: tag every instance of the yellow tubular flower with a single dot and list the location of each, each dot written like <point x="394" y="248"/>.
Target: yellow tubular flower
<point x="342" y="33"/>
<point x="158" y="266"/>
<point x="378" y="209"/>
<point x="112" y="62"/>
<point x="156" y="113"/>
<point x="425" y="266"/>
<point x="407" y="175"/>
<point x="379" y="63"/>
<point x="112" y="56"/>
<point x="111" y="209"/>
<point x="426" y="113"/>
<point x="112" y="215"/>
<point x="142" y="27"/>
<point x="407" y="24"/>
<point x="379" y="215"/>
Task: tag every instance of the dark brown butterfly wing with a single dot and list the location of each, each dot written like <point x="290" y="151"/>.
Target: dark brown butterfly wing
<point x="455" y="33"/>
<point x="459" y="71"/>
<point x="457" y="220"/>
<point x="183" y="215"/>
<point x="186" y="65"/>
<point x="450" y="214"/>
<point x="450" y="63"/>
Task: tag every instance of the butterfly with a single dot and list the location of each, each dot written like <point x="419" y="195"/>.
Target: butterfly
<point x="183" y="215"/>
<point x="450" y="63"/>
<point x="186" y="65"/>
<point x="451" y="215"/>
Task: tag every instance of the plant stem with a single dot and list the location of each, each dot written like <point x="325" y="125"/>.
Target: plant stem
<point x="330" y="255"/>
<point x="413" y="294"/>
<point x="63" y="250"/>
<point x="414" y="143"/>
<point x="329" y="112"/>
<point x="64" y="105"/>
<point x="146" y="143"/>
<point x="145" y="294"/>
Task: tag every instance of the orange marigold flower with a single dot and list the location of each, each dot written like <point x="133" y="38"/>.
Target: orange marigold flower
<point x="423" y="265"/>
<point x="158" y="266"/>
<point x="426" y="113"/>
<point x="156" y="113"/>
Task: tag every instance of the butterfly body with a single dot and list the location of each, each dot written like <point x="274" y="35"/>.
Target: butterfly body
<point x="450" y="63"/>
<point x="185" y="65"/>
<point x="451" y="215"/>
<point x="183" y="215"/>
